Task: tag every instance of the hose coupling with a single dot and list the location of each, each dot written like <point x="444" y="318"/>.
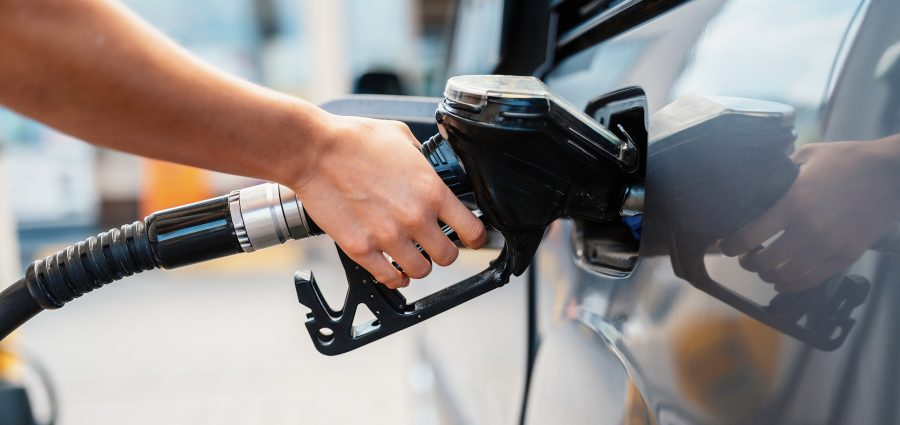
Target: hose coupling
<point x="266" y="215"/>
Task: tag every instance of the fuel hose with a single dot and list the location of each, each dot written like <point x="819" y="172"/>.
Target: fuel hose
<point x="245" y="220"/>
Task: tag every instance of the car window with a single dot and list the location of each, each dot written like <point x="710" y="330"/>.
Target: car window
<point x="772" y="50"/>
<point x="762" y="49"/>
<point x="475" y="47"/>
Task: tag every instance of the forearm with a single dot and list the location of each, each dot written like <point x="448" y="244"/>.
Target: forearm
<point x="93" y="70"/>
<point x="884" y="161"/>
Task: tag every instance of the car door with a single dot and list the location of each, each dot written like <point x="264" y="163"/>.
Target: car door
<point x="621" y="338"/>
<point x="472" y="360"/>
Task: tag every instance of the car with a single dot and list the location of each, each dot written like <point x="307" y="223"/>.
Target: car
<point x="643" y="320"/>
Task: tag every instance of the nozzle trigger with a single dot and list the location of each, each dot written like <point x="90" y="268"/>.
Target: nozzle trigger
<point x="332" y="331"/>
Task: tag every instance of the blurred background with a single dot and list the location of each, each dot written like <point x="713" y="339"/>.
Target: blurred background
<point x="229" y="346"/>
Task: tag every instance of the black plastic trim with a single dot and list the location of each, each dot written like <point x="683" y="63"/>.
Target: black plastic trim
<point x="528" y="36"/>
<point x="608" y="24"/>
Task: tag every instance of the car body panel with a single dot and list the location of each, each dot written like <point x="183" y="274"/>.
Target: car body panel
<point x="693" y="358"/>
<point x="650" y="347"/>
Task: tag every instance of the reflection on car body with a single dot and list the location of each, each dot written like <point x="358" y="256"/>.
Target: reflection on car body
<point x="640" y="343"/>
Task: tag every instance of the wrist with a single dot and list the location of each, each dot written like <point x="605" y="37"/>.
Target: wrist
<point x="302" y="134"/>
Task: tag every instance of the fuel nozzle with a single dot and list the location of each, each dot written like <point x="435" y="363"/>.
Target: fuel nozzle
<point x="523" y="157"/>
<point x="532" y="157"/>
<point x="243" y="221"/>
<point x="517" y="154"/>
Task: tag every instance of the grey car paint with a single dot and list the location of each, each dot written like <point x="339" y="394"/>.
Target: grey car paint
<point x="690" y="358"/>
<point x="645" y="346"/>
<point x="649" y="347"/>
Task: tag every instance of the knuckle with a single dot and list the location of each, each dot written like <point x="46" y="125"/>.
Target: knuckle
<point x="434" y="190"/>
<point x="448" y="257"/>
<point x="399" y="127"/>
<point x="357" y="248"/>
<point x="415" y="218"/>
<point x="474" y="229"/>
<point x="419" y="270"/>
<point x="432" y="196"/>
<point x="435" y="184"/>
<point x="390" y="237"/>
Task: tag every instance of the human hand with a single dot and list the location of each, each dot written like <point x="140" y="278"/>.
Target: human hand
<point x="373" y="192"/>
<point x="844" y="198"/>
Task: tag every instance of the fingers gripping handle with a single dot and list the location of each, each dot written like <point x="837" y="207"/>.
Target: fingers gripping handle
<point x="718" y="164"/>
<point x="819" y="316"/>
<point x="333" y="331"/>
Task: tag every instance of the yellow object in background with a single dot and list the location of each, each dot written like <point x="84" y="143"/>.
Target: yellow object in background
<point x="168" y="185"/>
<point x="8" y="360"/>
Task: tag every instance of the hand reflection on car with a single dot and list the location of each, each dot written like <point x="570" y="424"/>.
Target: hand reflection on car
<point x="845" y="198"/>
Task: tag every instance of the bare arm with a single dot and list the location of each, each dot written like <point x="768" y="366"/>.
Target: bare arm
<point x="92" y="69"/>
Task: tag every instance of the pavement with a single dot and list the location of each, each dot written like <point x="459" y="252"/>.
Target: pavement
<point x="219" y="343"/>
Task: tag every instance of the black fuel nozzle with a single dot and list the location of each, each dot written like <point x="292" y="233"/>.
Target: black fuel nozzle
<point x="717" y="164"/>
<point x="533" y="158"/>
<point x="520" y="155"/>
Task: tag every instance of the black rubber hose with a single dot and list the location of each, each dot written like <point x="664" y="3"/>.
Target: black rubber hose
<point x="70" y="273"/>
<point x="16" y="307"/>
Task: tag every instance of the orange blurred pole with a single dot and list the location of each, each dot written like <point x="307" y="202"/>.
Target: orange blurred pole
<point x="168" y="185"/>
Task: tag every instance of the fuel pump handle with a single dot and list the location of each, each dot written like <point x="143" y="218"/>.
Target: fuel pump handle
<point x="524" y="158"/>
<point x="334" y="332"/>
